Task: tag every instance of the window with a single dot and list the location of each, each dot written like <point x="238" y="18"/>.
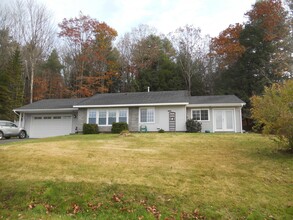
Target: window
<point x="106" y="117"/>
<point x="92" y="117"/>
<point x="102" y="117"/>
<point x="200" y="114"/>
<point x="9" y="124"/>
<point x="147" y="115"/>
<point x="57" y="117"/>
<point x="123" y="116"/>
<point x="111" y="117"/>
<point x="47" y="117"/>
<point x="37" y="118"/>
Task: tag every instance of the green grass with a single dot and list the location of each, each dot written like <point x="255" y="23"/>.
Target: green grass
<point x="146" y="176"/>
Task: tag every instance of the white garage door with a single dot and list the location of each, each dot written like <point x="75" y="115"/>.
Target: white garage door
<point x="50" y="125"/>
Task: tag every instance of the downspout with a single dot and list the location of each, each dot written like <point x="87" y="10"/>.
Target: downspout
<point x="19" y="116"/>
<point x="241" y="126"/>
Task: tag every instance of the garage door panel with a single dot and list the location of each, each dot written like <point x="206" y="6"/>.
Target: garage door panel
<point x="50" y="125"/>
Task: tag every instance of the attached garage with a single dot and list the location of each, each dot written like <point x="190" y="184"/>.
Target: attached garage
<point x="49" y="117"/>
<point x="50" y="125"/>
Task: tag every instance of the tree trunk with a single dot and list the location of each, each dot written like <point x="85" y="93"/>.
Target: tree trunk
<point x="32" y="81"/>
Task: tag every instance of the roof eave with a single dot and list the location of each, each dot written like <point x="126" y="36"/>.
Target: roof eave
<point x="131" y="105"/>
<point x="51" y="110"/>
<point x="217" y="105"/>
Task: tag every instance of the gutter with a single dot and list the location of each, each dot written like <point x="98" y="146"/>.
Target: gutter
<point x="217" y="105"/>
<point x="130" y="105"/>
<point x="45" y="110"/>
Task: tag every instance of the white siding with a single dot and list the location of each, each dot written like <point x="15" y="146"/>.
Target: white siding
<point x="209" y="125"/>
<point x="162" y="118"/>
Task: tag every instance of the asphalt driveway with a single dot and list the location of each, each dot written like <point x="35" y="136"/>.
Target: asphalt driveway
<point x="6" y="141"/>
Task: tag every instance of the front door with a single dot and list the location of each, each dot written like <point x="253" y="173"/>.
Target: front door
<point x="172" y="121"/>
<point x="224" y="120"/>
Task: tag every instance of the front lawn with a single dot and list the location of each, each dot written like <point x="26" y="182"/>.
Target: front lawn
<point x="146" y="176"/>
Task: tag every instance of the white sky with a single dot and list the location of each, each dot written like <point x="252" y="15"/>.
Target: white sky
<point x="211" y="16"/>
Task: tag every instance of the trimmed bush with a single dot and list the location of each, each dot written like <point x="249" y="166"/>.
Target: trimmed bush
<point x="193" y="126"/>
<point x="161" y="131"/>
<point x="118" y="127"/>
<point x="90" y="129"/>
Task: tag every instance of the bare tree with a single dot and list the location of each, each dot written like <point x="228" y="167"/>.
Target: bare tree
<point x="191" y="49"/>
<point x="32" y="26"/>
<point x="131" y="53"/>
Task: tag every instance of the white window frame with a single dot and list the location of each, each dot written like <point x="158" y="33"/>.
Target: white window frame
<point x="117" y="110"/>
<point x="108" y="116"/>
<point x="98" y="117"/>
<point x="88" y="115"/>
<point x="118" y="116"/>
<point x="200" y="109"/>
<point x="148" y="122"/>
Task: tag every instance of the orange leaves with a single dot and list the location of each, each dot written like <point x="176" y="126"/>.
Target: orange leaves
<point x="194" y="215"/>
<point x="227" y="45"/>
<point x="94" y="207"/>
<point x="75" y="208"/>
<point x="153" y="209"/>
<point x="40" y="88"/>
<point x="85" y="32"/>
<point x="267" y="20"/>
<point x="49" y="86"/>
<point x="117" y="198"/>
<point x="269" y="15"/>
<point x="49" y="208"/>
<point x="92" y="43"/>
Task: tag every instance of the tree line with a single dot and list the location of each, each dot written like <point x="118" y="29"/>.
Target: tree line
<point x="84" y="56"/>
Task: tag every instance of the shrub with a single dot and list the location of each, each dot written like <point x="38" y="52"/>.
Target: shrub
<point x="193" y="125"/>
<point x="273" y="112"/>
<point x="118" y="127"/>
<point x="90" y="129"/>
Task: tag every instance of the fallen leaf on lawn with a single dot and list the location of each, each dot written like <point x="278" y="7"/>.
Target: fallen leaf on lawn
<point x="76" y="208"/>
<point x="31" y="206"/>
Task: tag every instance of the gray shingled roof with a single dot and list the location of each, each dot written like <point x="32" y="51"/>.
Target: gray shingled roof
<point x="52" y="104"/>
<point x="137" y="98"/>
<point x="218" y="99"/>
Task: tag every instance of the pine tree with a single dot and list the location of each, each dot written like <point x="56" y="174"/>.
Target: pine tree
<point x="15" y="83"/>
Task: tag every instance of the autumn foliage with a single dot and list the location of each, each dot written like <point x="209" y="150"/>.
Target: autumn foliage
<point x="227" y="45"/>
<point x="270" y="16"/>
<point x="91" y="49"/>
<point x="274" y="110"/>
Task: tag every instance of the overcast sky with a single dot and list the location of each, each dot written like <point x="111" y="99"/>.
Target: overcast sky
<point x="212" y="16"/>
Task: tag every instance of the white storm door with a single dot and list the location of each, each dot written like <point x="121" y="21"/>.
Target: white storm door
<point x="224" y="120"/>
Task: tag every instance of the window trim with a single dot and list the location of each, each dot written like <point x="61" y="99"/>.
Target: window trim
<point x="88" y="116"/>
<point x="200" y="109"/>
<point x="97" y="110"/>
<point x="108" y="116"/>
<point x="98" y="117"/>
<point x="148" y="108"/>
<point x="118" y="116"/>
